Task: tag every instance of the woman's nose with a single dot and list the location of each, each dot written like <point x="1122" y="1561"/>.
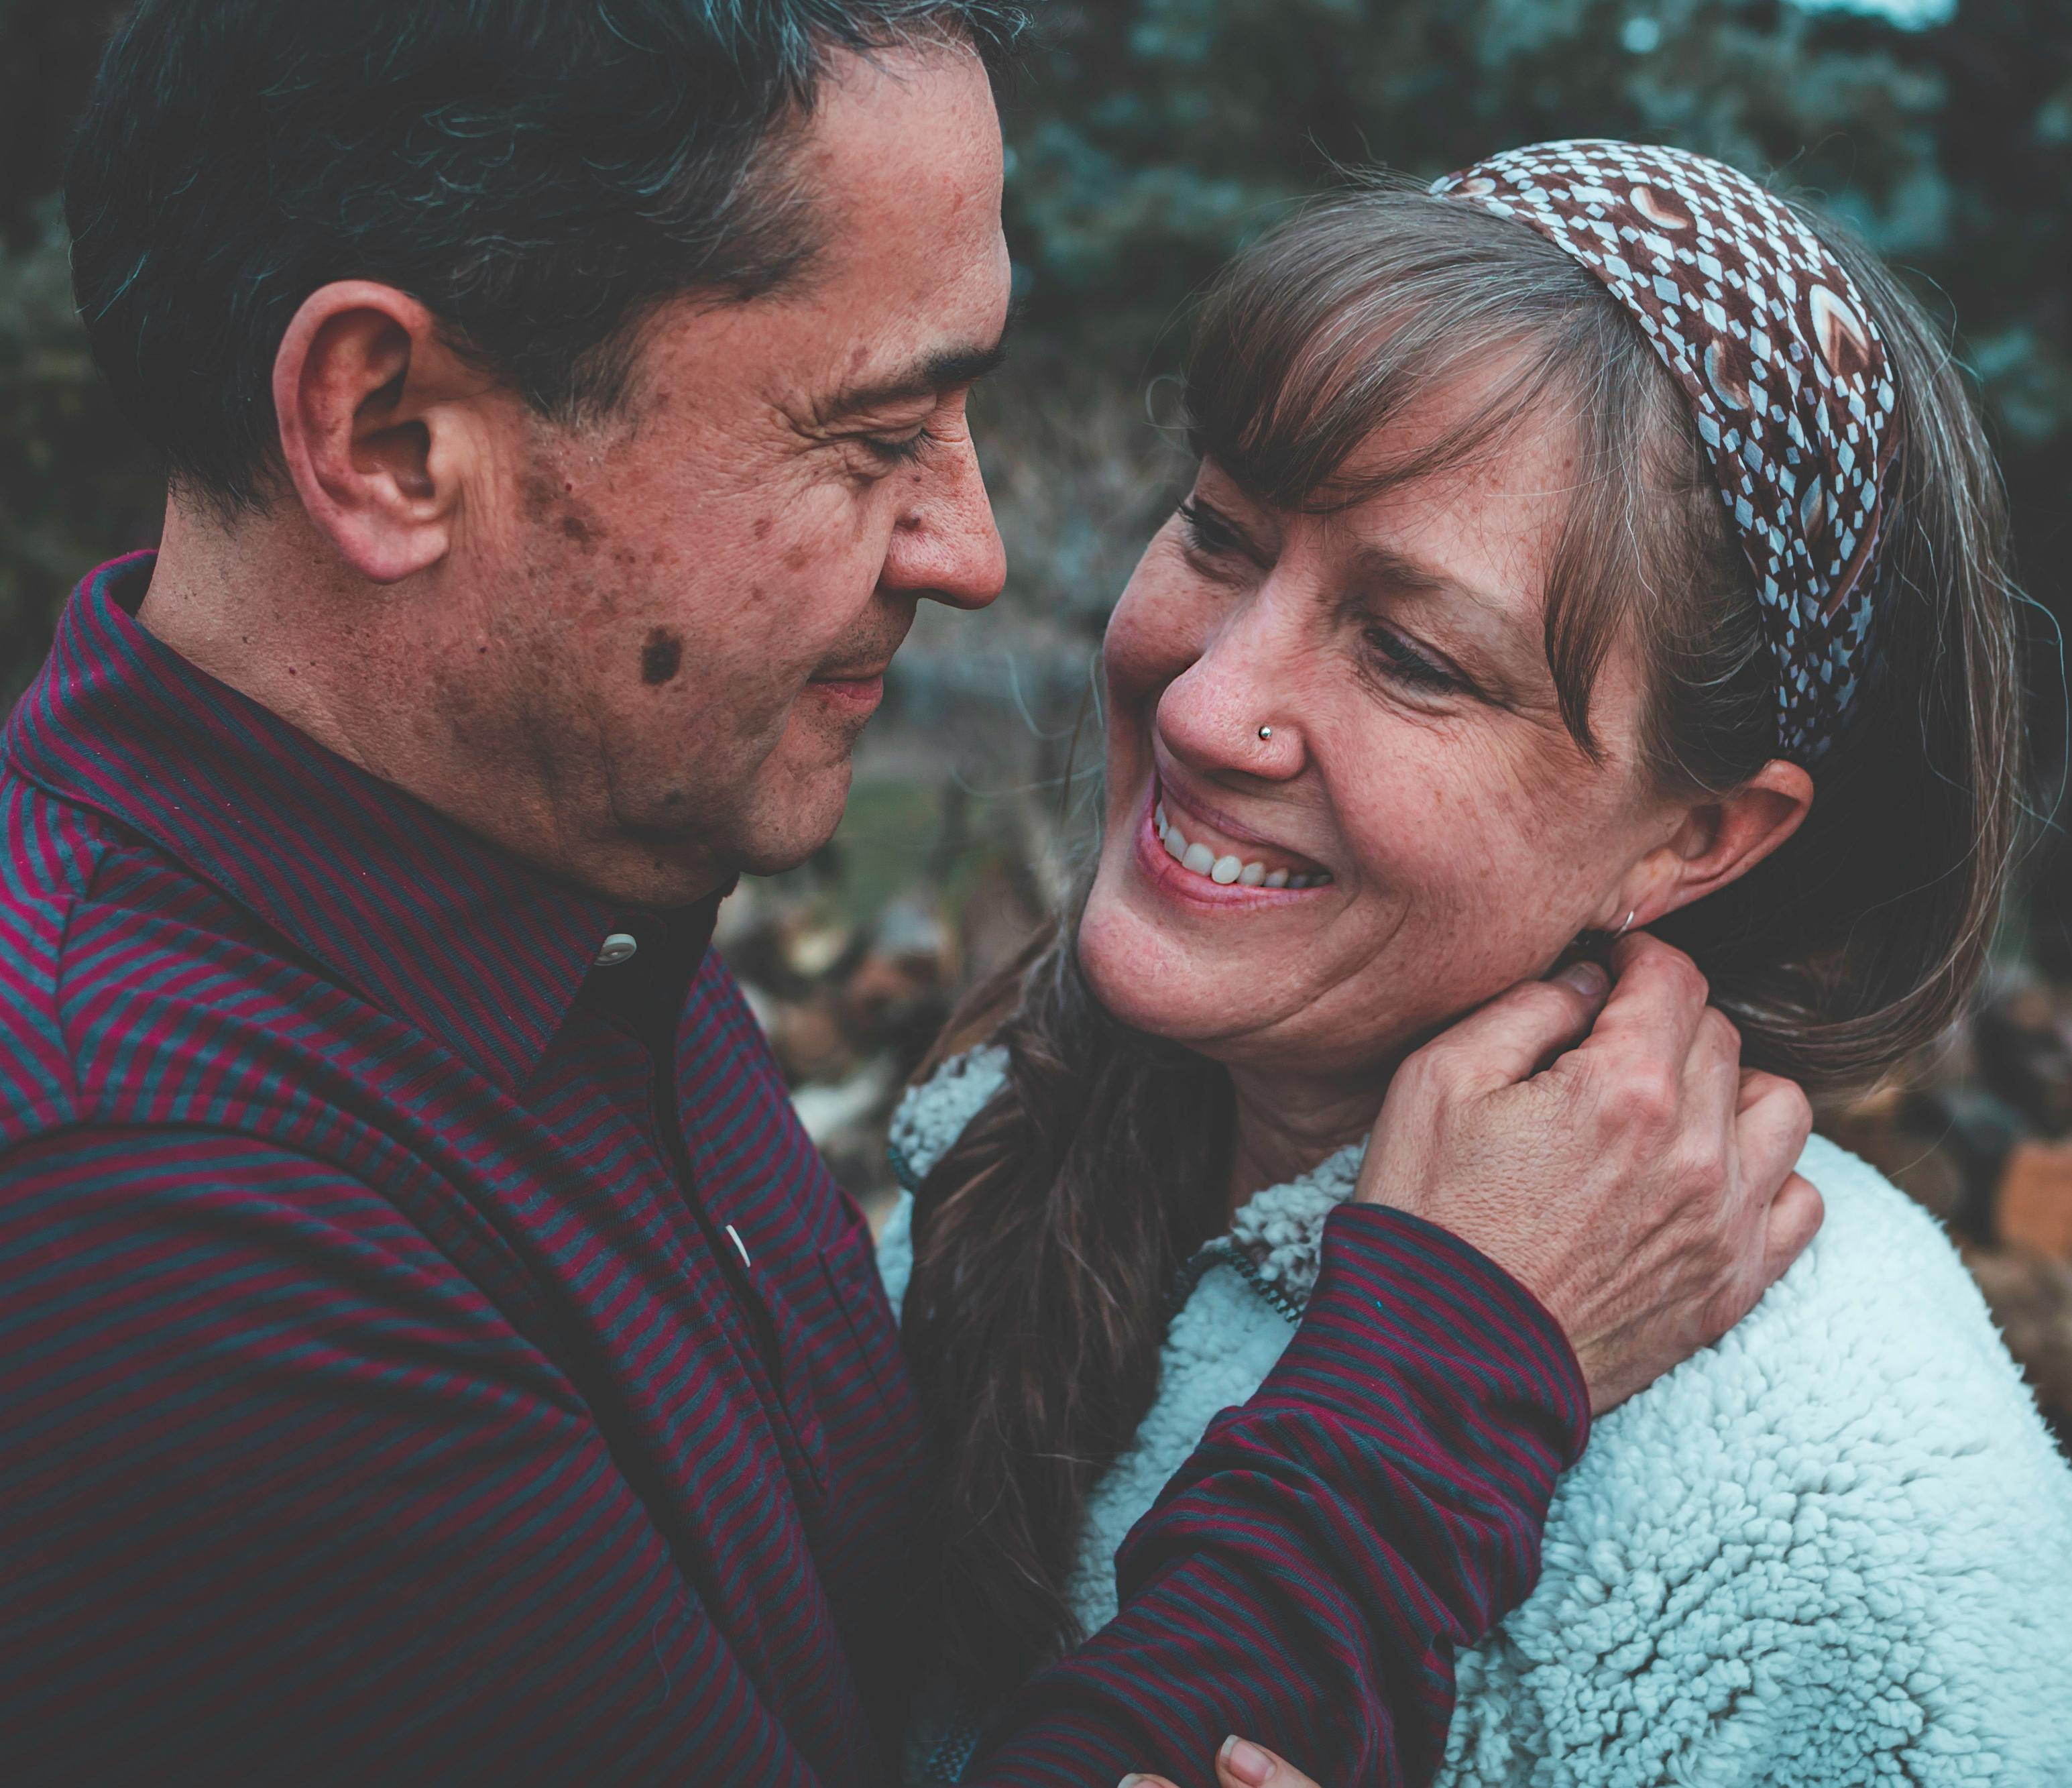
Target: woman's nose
<point x="1228" y="713"/>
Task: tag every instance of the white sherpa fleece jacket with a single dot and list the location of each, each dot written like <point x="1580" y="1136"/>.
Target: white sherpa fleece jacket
<point x="1836" y="1548"/>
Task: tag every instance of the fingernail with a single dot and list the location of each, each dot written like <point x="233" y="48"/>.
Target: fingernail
<point x="1587" y="978"/>
<point x="1133" y="1780"/>
<point x="1247" y="1762"/>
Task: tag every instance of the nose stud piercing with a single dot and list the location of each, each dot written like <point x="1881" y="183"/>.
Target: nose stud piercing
<point x="1266" y="732"/>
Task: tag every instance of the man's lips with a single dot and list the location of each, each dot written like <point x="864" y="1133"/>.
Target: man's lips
<point x="861" y="690"/>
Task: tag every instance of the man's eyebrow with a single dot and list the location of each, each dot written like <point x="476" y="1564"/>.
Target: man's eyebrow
<point x="942" y="371"/>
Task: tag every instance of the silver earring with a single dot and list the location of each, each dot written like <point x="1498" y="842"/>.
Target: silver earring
<point x="1627" y="926"/>
<point x="1266" y="732"/>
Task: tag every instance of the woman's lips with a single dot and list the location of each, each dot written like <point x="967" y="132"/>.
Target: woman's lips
<point x="1184" y="852"/>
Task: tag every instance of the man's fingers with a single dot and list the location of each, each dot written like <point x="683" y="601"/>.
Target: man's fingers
<point x="1771" y="1129"/>
<point x="1657" y="996"/>
<point x="1794" y="1220"/>
<point x="1502" y="1042"/>
<point x="1239" y="1763"/>
<point x="1242" y="1763"/>
<point x="1713" y="1074"/>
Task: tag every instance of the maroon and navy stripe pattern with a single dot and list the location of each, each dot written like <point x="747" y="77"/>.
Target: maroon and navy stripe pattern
<point x="376" y="1404"/>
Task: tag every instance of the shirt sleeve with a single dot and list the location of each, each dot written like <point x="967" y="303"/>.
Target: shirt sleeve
<point x="284" y="1499"/>
<point x="283" y="1496"/>
<point x="1307" y="1577"/>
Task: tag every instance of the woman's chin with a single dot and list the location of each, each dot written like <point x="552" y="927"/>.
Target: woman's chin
<point x="1147" y="978"/>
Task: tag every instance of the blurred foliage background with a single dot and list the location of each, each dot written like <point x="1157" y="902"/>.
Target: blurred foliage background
<point x="1147" y="139"/>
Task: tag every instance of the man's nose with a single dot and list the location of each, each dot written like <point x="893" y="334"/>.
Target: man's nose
<point x="946" y="547"/>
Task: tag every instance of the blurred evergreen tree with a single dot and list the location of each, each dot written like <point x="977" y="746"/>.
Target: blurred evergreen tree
<point x="77" y="484"/>
<point x="1150" y="137"/>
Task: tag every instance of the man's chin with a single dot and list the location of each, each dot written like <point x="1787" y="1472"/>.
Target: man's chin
<point x="788" y="826"/>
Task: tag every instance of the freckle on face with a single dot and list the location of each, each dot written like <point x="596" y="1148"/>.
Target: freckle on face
<point x="661" y="656"/>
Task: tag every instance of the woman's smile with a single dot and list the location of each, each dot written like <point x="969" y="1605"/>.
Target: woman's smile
<point x="1207" y="858"/>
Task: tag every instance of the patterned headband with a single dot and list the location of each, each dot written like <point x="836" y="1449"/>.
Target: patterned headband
<point x="1786" y="376"/>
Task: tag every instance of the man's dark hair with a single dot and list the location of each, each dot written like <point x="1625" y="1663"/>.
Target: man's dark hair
<point x="540" y="173"/>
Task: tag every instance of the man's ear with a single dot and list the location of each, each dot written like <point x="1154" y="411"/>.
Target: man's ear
<point x="1718" y="839"/>
<point x="380" y="426"/>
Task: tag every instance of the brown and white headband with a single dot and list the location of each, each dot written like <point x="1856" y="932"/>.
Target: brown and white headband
<point x="1786" y="377"/>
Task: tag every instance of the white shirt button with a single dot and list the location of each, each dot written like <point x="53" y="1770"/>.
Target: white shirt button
<point x="617" y="948"/>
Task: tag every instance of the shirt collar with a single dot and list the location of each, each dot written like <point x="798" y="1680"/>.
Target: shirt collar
<point x="426" y="920"/>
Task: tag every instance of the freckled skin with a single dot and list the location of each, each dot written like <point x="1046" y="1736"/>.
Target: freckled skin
<point x="1469" y="843"/>
<point x="777" y="553"/>
<point x="474" y="583"/>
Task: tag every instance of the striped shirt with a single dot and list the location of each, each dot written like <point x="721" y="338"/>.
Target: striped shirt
<point x="431" y="1350"/>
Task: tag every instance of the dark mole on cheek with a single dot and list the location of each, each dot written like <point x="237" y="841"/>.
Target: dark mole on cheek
<point x="661" y="656"/>
<point x="576" y="529"/>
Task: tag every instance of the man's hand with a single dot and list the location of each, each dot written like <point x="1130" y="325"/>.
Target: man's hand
<point x="1239" y="1763"/>
<point x="1640" y="1185"/>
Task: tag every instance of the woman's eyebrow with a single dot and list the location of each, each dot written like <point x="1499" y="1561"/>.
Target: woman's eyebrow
<point x="1374" y="564"/>
<point x="1485" y="627"/>
<point x="943" y="370"/>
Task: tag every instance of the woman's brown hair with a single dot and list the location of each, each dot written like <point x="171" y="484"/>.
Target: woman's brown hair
<point x="1047" y="1242"/>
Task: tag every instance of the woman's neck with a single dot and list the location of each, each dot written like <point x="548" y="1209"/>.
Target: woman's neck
<point x="1284" y="1126"/>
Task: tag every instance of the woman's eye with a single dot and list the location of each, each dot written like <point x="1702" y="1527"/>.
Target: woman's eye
<point x="1401" y="659"/>
<point x="1206" y="532"/>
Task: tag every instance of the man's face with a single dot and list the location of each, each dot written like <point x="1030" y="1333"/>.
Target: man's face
<point x="678" y="622"/>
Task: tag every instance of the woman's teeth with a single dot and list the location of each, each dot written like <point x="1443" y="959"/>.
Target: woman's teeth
<point x="1225" y="869"/>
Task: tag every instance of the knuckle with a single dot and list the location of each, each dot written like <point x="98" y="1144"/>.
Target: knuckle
<point x="1679" y="974"/>
<point x="1677" y="971"/>
<point x="1721" y="1031"/>
<point x="1431" y="1074"/>
<point x="1646" y="1095"/>
<point x="1700" y="1166"/>
<point x="1690" y="980"/>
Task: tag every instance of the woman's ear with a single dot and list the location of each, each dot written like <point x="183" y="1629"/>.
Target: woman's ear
<point x="379" y="424"/>
<point x="1717" y="840"/>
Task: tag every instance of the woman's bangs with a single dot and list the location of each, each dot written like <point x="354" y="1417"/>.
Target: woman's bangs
<point x="1325" y="337"/>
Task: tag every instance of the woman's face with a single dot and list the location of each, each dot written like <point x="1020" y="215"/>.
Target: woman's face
<point x="1453" y="838"/>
